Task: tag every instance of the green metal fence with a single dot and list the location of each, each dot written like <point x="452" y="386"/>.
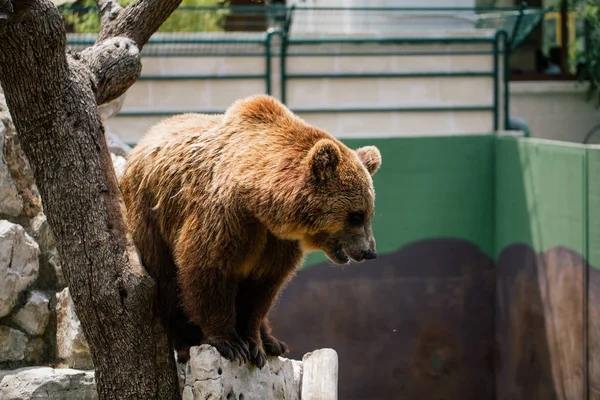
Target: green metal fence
<point x="273" y="33"/>
<point x="497" y="45"/>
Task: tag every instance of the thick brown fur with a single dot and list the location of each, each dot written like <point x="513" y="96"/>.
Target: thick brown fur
<point x="223" y="208"/>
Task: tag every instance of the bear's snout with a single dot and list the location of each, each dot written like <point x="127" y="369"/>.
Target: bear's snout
<point x="370" y="255"/>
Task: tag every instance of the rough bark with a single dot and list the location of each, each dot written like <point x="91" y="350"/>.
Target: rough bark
<point x="53" y="98"/>
<point x="138" y="21"/>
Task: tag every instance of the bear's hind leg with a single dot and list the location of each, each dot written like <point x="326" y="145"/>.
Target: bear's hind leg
<point x="273" y="346"/>
<point x="184" y="334"/>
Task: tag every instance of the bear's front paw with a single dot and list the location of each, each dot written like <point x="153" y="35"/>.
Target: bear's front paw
<point x="230" y="348"/>
<point x="273" y="347"/>
<point x="258" y="356"/>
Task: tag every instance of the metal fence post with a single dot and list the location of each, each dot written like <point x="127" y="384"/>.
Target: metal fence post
<point x="506" y="76"/>
<point x="283" y="62"/>
<point x="496" y="84"/>
<point x="503" y="42"/>
<point x="270" y="34"/>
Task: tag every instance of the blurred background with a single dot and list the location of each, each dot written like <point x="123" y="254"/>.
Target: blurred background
<point x="485" y="113"/>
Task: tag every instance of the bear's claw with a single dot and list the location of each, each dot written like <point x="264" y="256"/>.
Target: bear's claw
<point x="231" y="349"/>
<point x="258" y="355"/>
<point x="274" y="347"/>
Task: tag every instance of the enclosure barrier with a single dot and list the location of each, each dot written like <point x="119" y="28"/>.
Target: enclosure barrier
<point x="498" y="43"/>
<point x="281" y="36"/>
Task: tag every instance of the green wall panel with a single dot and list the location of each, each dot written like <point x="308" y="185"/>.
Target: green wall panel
<point x="593" y="284"/>
<point x="541" y="245"/>
<point x="593" y="179"/>
<point x="540" y="194"/>
<point x="431" y="187"/>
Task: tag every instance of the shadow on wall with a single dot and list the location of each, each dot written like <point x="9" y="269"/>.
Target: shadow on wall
<point x="414" y="324"/>
<point x="539" y="324"/>
<point x="435" y="321"/>
<point x="542" y="232"/>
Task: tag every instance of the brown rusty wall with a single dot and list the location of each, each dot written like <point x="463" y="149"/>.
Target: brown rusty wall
<point x="540" y="325"/>
<point x="415" y="324"/>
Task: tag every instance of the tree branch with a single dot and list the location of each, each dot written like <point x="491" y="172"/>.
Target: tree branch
<point x="115" y="65"/>
<point x="109" y="9"/>
<point x="138" y="21"/>
<point x="115" y="59"/>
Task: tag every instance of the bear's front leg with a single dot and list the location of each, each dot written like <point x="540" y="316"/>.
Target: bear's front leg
<point x="208" y="297"/>
<point x="255" y="298"/>
<point x="208" y="280"/>
<point x="258" y="292"/>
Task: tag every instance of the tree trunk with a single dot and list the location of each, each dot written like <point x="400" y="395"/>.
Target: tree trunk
<point x="53" y="98"/>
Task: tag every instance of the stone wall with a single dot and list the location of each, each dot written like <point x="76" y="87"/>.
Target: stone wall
<point x="38" y="325"/>
<point x="30" y="272"/>
<point x="206" y="376"/>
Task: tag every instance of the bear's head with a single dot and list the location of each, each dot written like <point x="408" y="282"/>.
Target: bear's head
<point x="341" y="200"/>
<point x="320" y="193"/>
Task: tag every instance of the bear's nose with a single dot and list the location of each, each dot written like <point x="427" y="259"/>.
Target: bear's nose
<point x="370" y="255"/>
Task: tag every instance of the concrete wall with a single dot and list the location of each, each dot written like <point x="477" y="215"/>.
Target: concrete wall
<point x="555" y="110"/>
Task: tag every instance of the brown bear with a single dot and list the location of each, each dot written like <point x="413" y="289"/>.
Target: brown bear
<point x="223" y="208"/>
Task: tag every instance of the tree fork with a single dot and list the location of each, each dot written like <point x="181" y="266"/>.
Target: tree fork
<point x="53" y="98"/>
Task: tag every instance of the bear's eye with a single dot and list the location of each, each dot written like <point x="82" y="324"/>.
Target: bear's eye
<point x="356" y="219"/>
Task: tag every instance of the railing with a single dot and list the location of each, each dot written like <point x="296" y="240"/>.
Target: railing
<point x="496" y="46"/>
<point x="284" y="34"/>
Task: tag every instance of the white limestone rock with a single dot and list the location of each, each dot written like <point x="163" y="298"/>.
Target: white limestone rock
<point x="41" y="232"/>
<point x="13" y="345"/>
<point x="34" y="352"/>
<point x="41" y="383"/>
<point x="34" y="315"/>
<point x="119" y="164"/>
<point x="72" y="347"/>
<point x="115" y="144"/>
<point x="207" y="376"/>
<point x="320" y="375"/>
<point x="19" y="263"/>
<point x="11" y="203"/>
<point x="19" y="195"/>
<point x="112" y="108"/>
<point x="54" y="261"/>
<point x="210" y="376"/>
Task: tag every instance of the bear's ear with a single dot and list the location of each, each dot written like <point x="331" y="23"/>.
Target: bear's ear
<point x="370" y="157"/>
<point x="323" y="159"/>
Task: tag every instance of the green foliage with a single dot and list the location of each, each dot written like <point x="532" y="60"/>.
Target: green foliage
<point x="84" y="17"/>
<point x="590" y="10"/>
<point x="183" y="20"/>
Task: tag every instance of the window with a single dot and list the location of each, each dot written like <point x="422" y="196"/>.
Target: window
<point x="555" y="49"/>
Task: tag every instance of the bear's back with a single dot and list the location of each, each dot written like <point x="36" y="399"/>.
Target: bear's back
<point x="167" y="162"/>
